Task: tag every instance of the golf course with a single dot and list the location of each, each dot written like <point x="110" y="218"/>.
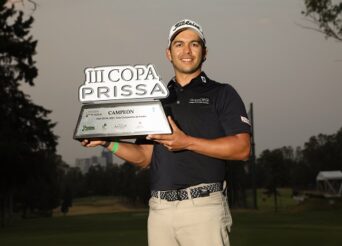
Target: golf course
<point x="94" y="221"/>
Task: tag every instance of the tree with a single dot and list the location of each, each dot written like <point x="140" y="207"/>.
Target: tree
<point x="67" y="200"/>
<point x="74" y="179"/>
<point x="298" y="169"/>
<point x="27" y="141"/>
<point x="323" y="153"/>
<point x="326" y="16"/>
<point x="237" y="183"/>
<point x="276" y="166"/>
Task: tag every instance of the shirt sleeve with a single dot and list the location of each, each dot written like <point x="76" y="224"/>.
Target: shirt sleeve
<point x="232" y="112"/>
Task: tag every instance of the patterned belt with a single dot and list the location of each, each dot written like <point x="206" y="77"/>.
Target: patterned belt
<point x="182" y="194"/>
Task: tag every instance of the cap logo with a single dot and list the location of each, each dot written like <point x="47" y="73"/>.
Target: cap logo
<point x="187" y="22"/>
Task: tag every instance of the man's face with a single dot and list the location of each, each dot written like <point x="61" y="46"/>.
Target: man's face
<point x="186" y="52"/>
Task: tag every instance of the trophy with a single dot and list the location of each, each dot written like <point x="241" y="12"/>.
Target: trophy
<point x="121" y="101"/>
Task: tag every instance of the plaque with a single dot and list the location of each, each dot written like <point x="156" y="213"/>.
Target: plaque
<point x="121" y="101"/>
<point x="121" y="120"/>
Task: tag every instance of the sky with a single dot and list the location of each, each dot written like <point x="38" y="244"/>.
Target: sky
<point x="292" y="75"/>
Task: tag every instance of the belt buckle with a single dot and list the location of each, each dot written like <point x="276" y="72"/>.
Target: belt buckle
<point x="204" y="192"/>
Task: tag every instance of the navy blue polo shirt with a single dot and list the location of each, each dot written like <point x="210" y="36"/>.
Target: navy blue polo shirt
<point x="204" y="109"/>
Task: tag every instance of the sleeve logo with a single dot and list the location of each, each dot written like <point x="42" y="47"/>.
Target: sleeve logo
<point x="245" y="120"/>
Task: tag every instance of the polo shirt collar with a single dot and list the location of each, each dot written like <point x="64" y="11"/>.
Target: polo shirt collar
<point x="199" y="81"/>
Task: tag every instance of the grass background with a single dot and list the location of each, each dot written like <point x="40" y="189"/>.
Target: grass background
<point x="314" y="222"/>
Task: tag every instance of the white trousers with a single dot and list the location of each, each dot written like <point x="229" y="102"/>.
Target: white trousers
<point x="203" y="221"/>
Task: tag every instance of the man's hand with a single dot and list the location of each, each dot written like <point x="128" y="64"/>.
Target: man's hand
<point x="234" y="147"/>
<point x="176" y="141"/>
<point x="92" y="143"/>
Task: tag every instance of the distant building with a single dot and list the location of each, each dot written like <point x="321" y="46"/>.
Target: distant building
<point x="85" y="163"/>
<point x="106" y="158"/>
<point x="111" y="159"/>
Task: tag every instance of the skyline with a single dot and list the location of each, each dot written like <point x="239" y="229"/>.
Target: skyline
<point x="292" y="75"/>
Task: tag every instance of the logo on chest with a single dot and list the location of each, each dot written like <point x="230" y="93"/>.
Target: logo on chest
<point x="202" y="100"/>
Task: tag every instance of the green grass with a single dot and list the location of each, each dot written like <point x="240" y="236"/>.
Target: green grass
<point x="265" y="202"/>
<point x="100" y="229"/>
<point x="100" y="205"/>
<point x="315" y="222"/>
<point x="314" y="228"/>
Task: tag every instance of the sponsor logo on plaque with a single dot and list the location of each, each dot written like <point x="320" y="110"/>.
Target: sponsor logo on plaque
<point x="121" y="101"/>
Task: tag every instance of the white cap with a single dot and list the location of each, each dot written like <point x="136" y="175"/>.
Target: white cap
<point x="183" y="24"/>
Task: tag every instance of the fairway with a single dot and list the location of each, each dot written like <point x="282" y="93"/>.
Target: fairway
<point x="314" y="228"/>
<point x="101" y="229"/>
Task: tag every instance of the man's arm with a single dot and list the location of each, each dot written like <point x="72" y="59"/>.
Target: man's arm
<point x="236" y="147"/>
<point x="137" y="154"/>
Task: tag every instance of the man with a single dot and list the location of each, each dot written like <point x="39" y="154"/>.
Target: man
<point x="209" y="125"/>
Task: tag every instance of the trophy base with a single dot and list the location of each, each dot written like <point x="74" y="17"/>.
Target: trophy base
<point x="121" y="120"/>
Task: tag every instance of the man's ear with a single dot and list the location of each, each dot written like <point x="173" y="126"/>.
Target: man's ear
<point x="204" y="54"/>
<point x="168" y="54"/>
